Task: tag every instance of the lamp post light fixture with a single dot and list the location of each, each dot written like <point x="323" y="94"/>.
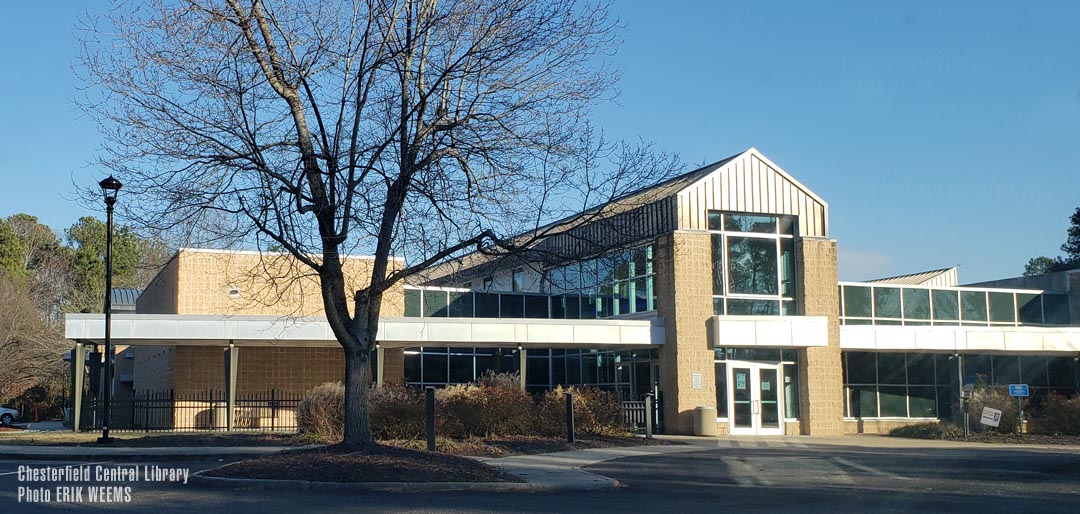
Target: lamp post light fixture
<point x="110" y="187"/>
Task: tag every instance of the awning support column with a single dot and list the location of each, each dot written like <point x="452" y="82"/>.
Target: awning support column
<point x="380" y="359"/>
<point x="522" y="361"/>
<point x="232" y="360"/>
<point x="78" y="375"/>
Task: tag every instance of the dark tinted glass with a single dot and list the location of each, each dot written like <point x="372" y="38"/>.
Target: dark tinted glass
<point x="412" y="303"/>
<point x="487" y="305"/>
<point x="886" y="302"/>
<point x="1030" y="307"/>
<point x="718" y="264"/>
<point x="461" y="305"/>
<point x="715" y="222"/>
<point x="752" y="266"/>
<point x="536" y="307"/>
<point x="721" y="389"/>
<point x="920" y="368"/>
<point x="750" y="223"/>
<point x="860" y="368"/>
<point x="511" y="306"/>
<point x="435" y="304"/>
<point x="917" y="303"/>
<point x="857" y="301"/>
<point x="973" y="305"/>
<point x="1002" y="307"/>
<point x="946" y="306"/>
<point x="738" y="306"/>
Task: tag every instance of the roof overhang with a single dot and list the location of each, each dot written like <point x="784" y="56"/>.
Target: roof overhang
<point x="772" y="331"/>
<point x="173" y="330"/>
<point x="1061" y="340"/>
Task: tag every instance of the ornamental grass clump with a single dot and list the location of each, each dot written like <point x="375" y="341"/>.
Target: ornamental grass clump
<point x="319" y="415"/>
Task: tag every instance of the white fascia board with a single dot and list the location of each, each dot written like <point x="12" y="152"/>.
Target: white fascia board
<point x="961" y="339"/>
<point x="169" y="329"/>
<point x="771" y="331"/>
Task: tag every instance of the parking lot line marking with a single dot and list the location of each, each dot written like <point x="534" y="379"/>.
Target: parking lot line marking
<point x="869" y="469"/>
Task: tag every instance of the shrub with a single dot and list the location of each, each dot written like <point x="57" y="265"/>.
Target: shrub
<point x="996" y="398"/>
<point x="320" y="413"/>
<point x="397" y="412"/>
<point x="596" y="412"/>
<point x="494" y="406"/>
<point x="1060" y="416"/>
<point x="928" y="431"/>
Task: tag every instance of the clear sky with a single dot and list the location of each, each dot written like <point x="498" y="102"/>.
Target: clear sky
<point x="940" y="133"/>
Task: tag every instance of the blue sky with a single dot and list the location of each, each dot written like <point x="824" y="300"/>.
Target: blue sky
<point x="940" y="133"/>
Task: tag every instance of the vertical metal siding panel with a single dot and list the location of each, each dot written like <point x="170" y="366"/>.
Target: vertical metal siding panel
<point x="803" y="219"/>
<point x="729" y="179"/>
<point x="755" y="185"/>
<point x="770" y="190"/>
<point x="744" y="191"/>
<point x="819" y="211"/>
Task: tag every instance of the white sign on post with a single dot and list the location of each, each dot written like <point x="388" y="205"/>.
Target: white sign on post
<point x="990" y="417"/>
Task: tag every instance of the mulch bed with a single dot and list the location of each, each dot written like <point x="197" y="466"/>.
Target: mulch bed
<point x="374" y="463"/>
<point x="525" y="445"/>
<point x="130" y="440"/>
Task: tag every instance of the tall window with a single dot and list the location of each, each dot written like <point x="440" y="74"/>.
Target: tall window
<point x="618" y="283"/>
<point x="753" y="263"/>
<point x="517" y="283"/>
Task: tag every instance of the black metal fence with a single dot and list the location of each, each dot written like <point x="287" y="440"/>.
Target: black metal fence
<point x="636" y="413"/>
<point x="198" y="411"/>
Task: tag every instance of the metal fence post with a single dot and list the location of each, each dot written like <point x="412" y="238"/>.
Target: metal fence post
<point x="648" y="416"/>
<point x="570" y="418"/>
<point x="429" y="397"/>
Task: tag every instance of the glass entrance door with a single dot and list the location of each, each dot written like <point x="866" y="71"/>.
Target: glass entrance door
<point x="755" y="398"/>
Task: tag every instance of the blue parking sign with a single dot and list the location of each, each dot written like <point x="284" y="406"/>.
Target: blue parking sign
<point x="1018" y="390"/>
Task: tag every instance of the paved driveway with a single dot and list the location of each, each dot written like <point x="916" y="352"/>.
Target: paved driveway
<point x="785" y="475"/>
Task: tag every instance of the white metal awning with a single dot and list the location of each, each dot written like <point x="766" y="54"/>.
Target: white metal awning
<point x="961" y="339"/>
<point x="771" y="331"/>
<point x="172" y="329"/>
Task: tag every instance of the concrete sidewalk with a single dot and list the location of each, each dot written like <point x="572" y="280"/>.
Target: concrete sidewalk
<point x="865" y="441"/>
<point x="562" y="470"/>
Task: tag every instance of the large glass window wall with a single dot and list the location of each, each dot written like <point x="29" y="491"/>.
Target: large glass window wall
<point x="753" y="261"/>
<point x="872" y="304"/>
<point x="614" y="285"/>
<point x="927" y="385"/>
<point x="628" y="372"/>
<point x="620" y="283"/>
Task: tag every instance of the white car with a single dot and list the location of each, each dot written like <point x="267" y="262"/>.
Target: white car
<point x="8" y="415"/>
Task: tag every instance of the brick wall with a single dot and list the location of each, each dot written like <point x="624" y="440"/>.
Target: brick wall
<point x="820" y="372"/>
<point x="199" y="282"/>
<point x="160" y="296"/>
<point x="153" y="368"/>
<point x="684" y="300"/>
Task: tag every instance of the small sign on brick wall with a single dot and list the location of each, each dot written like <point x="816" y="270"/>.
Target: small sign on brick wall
<point x="695" y="379"/>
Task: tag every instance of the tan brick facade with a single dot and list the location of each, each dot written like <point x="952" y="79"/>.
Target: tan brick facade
<point x="820" y="373"/>
<point x="246" y="283"/>
<point x="684" y="300"/>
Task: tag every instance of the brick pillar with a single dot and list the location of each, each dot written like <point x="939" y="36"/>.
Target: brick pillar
<point x="821" y="384"/>
<point x="684" y="300"/>
<point x="393" y="366"/>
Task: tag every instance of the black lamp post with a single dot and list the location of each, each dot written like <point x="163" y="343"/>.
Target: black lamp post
<point x="110" y="187"/>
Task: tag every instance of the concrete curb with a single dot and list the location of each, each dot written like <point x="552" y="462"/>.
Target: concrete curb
<point x="397" y="487"/>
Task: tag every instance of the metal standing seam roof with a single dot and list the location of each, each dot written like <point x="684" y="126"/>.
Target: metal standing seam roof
<point x="922" y="278"/>
<point x="124" y="299"/>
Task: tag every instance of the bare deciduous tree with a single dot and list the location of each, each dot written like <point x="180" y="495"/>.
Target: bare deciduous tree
<point x="410" y="130"/>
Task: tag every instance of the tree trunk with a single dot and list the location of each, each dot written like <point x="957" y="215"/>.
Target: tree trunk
<point x="357" y="382"/>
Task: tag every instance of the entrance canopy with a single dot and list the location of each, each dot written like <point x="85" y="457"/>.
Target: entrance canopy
<point x="173" y="329"/>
